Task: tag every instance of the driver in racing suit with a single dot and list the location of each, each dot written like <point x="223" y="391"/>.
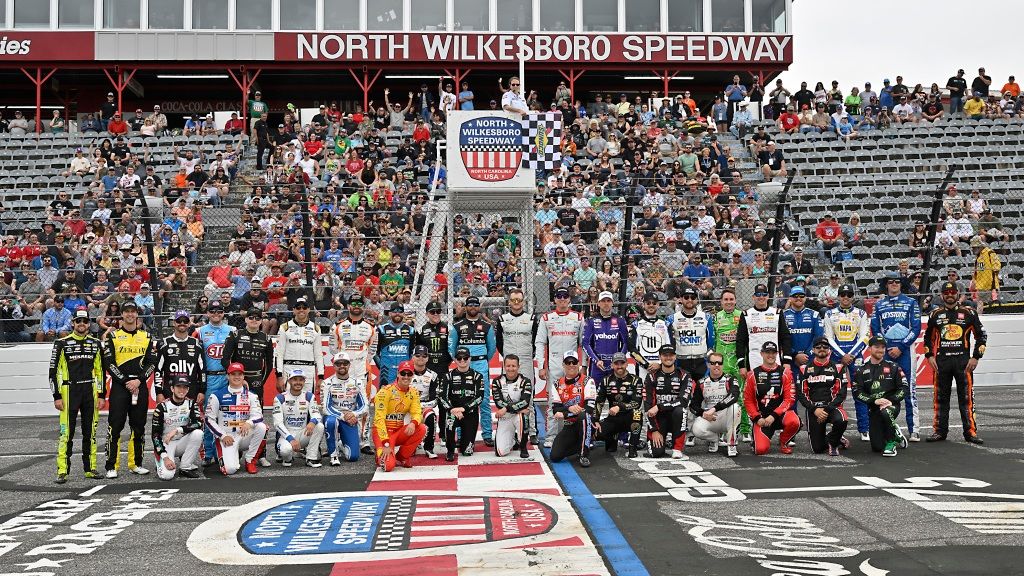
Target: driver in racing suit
<point x="558" y="332"/>
<point x="253" y="349"/>
<point x="299" y="348"/>
<point x="624" y="393"/>
<point x="759" y="324"/>
<point x="667" y="392"/>
<point x="180" y="356"/>
<point x="715" y="405"/>
<point x="477" y="334"/>
<point x="726" y="321"/>
<point x="604" y="335"/>
<point x="212" y="336"/>
<point x="512" y="393"/>
<point x="649" y="334"/>
<point x="427" y="382"/>
<point x="694" y="333"/>
<point x="846" y="328"/>
<point x="897" y="318"/>
<point x="822" y="391"/>
<point x="76" y="381"/>
<point x="357" y="336"/>
<point x="572" y="401"/>
<point x="297" y="421"/>
<point x="344" y="403"/>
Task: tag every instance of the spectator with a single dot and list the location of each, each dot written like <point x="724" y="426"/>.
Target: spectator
<point x="957" y="87"/>
<point x="980" y="85"/>
<point x="918" y="240"/>
<point x="932" y="110"/>
<point x="159" y="119"/>
<point x="975" y="107"/>
<point x="853" y="232"/>
<point x="959" y="227"/>
<point x="773" y="163"/>
<point x="828" y="236"/>
<point x="985" y="283"/>
<point x="846" y="131"/>
<point x="18" y="126"/>
<point x="989" y="228"/>
<point x="789" y="122"/>
<point x="56" y="321"/>
<point x="741" y="121"/>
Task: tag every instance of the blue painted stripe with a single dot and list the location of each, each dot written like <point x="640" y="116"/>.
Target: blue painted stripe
<point x="618" y="552"/>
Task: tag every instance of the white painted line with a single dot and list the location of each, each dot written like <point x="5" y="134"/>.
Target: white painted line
<point x="431" y="501"/>
<point x="419" y="528"/>
<point x="968" y="515"/>
<point x="972" y="506"/>
<point x="449" y="510"/>
<point x="449" y="538"/>
<point x="454" y="517"/>
<point x="992" y="521"/>
<point x="631" y="495"/>
<point x="92" y="490"/>
<point x="197" y="509"/>
<point x="955" y="493"/>
<point x="36" y="455"/>
<point x="1000" y="531"/>
<point x="808" y="489"/>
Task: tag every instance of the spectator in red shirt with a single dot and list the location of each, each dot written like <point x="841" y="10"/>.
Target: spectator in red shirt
<point x="234" y="126"/>
<point x="314" y="147"/>
<point x="789" y="122"/>
<point x="274" y="284"/>
<point x="829" y="237"/>
<point x="117" y="126"/>
<point x="367" y="281"/>
<point x="220" y="274"/>
<point x="421" y="135"/>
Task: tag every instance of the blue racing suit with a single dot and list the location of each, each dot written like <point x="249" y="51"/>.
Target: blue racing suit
<point x="847" y="333"/>
<point x="212" y="339"/>
<point x="898" y="320"/>
<point x="477" y="335"/>
<point x="394" y="346"/>
<point x="602" y="338"/>
<point x="337" y="397"/>
<point x="804" y="327"/>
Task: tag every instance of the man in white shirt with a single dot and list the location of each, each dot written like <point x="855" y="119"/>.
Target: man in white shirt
<point x="448" y="98"/>
<point x="959" y="227"/>
<point x="904" y="112"/>
<point x="513" y="101"/>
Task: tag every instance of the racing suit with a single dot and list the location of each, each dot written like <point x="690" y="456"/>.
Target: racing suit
<point x="948" y="340"/>
<point x="477" y="334"/>
<point x="602" y="338"/>
<point x="359" y="339"/>
<point x="757" y="327"/>
<point x="726" y="325"/>
<point x="339" y="397"/>
<point x="557" y="333"/>
<point x="300" y="348"/>
<point x="183" y="448"/>
<point x="76" y="378"/>
<point x="291" y="415"/>
<point x="512" y="396"/>
<point x="176" y="358"/>
<point x="823" y="386"/>
<point x="515" y="334"/>
<point x="461" y="390"/>
<point x="394" y="346"/>
<point x="127" y="356"/>
<point x="694" y="336"/>
<point x="670" y="392"/>
<point x="394" y="409"/>
<point x="804" y="326"/>
<point x="626" y="393"/>
<point x="426" y="383"/>
<point x="435" y="337"/>
<point x="847" y="333"/>
<point x="645" y="341"/>
<point x="254" y="351"/>
<point x="883" y="380"/>
<point x="212" y="339"/>
<point x="898" y="320"/>
<point x="226" y="411"/>
<point x="577" y="429"/>
<point x="723" y="395"/>
<point x="769" y="392"/>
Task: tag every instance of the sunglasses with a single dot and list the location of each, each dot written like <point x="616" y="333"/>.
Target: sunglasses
<point x="182" y="321"/>
<point x="405" y="373"/>
<point x="760" y="294"/>
<point x="462" y="358"/>
<point x="690" y="297"/>
<point x="342" y="363"/>
<point x="433" y="311"/>
<point x="846" y="294"/>
<point x="302" y="307"/>
<point x="81" y="320"/>
<point x="713" y="363"/>
<point x="571" y="362"/>
<point x="515" y="84"/>
<point x="821" y="346"/>
<point x="798" y="296"/>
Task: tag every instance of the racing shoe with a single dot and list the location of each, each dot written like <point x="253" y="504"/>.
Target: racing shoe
<point x="524" y="451"/>
<point x="844" y="443"/>
<point x="890" y="449"/>
<point x="547" y="443"/>
<point x="833" y="450"/>
<point x="864" y="437"/>
<point x="449" y="457"/>
<point x="746" y="438"/>
<point x="731" y="452"/>
<point x="368" y="450"/>
<point x="936" y="438"/>
<point x="61" y="479"/>
<point x="111" y="474"/>
<point x="915" y="436"/>
<point x="786" y="449"/>
<point x="712" y="448"/>
<point x="691" y="441"/>
<point x="250" y="467"/>
<point x="677" y="454"/>
<point x="631" y="453"/>
<point x="792" y="442"/>
<point x="335" y="461"/>
<point x="287" y="463"/>
<point x="584" y="462"/>
<point x="313" y="463"/>
<point x="429" y="454"/>
<point x="138" y="470"/>
<point x="489" y="442"/>
<point x="972" y="439"/>
<point x="900" y="438"/>
<point x="189" y="472"/>
<point x="93" y="475"/>
<point x="264" y="463"/>
<point x="468" y="451"/>
<point x="533" y="439"/>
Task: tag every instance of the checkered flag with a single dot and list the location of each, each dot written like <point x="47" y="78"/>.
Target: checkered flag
<point x="542" y="140"/>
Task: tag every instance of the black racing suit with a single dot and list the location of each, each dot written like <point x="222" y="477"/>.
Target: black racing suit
<point x="883" y="380"/>
<point x="670" y="392"/>
<point x="254" y="351"/>
<point x="128" y="355"/>
<point x="462" y="390"/>
<point x="823" y="386"/>
<point x="435" y="338"/>
<point x="76" y="377"/>
<point x="627" y="394"/>
<point x="176" y="358"/>
<point x="948" y="340"/>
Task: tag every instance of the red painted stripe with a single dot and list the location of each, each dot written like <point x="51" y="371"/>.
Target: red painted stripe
<point x="418" y="522"/>
<point x="501" y="470"/>
<point x="571" y="541"/>
<point x="478" y="511"/>
<point x="446" y="565"/>
<point x="548" y="491"/>
<point x="419" y="545"/>
<point x="448" y="484"/>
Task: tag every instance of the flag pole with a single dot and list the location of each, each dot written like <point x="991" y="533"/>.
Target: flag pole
<point x="522" y="77"/>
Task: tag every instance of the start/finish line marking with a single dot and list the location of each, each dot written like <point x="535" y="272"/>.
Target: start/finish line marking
<point x="748" y="491"/>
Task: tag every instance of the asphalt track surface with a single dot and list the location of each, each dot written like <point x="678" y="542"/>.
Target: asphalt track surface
<point x="947" y="508"/>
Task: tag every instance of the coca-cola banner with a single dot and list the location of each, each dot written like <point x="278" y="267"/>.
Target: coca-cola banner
<point x="47" y="46"/>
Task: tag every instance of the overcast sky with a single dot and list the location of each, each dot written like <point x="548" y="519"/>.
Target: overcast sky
<point x="923" y="40"/>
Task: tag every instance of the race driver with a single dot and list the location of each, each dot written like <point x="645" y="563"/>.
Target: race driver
<point x="822" y="391"/>
<point x="461" y="394"/>
<point x="558" y="331"/>
<point x="624" y="393"/>
<point x="881" y="384"/>
<point x="726" y="321"/>
<point x="394" y="345"/>
<point x="512" y="393"/>
<point x="180" y="355"/>
<point x="177" y="432"/>
<point x="572" y="402"/>
<point x="648" y="335"/>
<point x="212" y="336"/>
<point x="427" y="383"/>
<point x="604" y="335"/>
<point x="356" y="336"/>
<point x="846" y="328"/>
<point x="253" y="349"/>
<point x="769" y="395"/>
<point x="693" y="332"/>
<point x="897" y="318"/>
<point x="398" y="421"/>
<point x="76" y="382"/>
<point x="948" y="349"/>
<point x="476" y="334"/>
<point x="234" y="416"/>
<point x="716" y="404"/>
<point x="344" y="403"/>
<point x="298" y="422"/>
<point x="299" y="348"/>
<point x="666" y="395"/>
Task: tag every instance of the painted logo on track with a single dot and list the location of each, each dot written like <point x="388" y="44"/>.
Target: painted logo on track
<point x="323" y="525"/>
<point x="491" y="148"/>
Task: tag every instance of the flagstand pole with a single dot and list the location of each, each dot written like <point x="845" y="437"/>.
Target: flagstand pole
<point x="522" y="78"/>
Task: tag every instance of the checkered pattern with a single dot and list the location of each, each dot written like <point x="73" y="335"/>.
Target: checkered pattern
<point x="542" y="140"/>
<point x="394" y="529"/>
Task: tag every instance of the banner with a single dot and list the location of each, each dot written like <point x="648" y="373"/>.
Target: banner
<point x="31" y="46"/>
<point x="485" y="150"/>
<point x="542" y="140"/>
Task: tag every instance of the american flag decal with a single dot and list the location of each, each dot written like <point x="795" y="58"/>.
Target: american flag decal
<point x="542" y="140"/>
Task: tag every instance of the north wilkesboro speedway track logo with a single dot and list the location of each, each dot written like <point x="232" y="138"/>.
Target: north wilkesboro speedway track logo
<point x="491" y="148"/>
<point x="345" y="524"/>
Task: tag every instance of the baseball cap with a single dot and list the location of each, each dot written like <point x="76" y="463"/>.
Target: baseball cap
<point x="846" y="289"/>
<point x="876" y="340"/>
<point x="821" y="340"/>
<point x="181" y="381"/>
<point x="296" y="373"/>
<point x="618" y="357"/>
<point x="605" y="295"/>
<point x="420" y="350"/>
<point x="570" y="354"/>
<point x="650" y="297"/>
<point x="356" y="300"/>
<point x="948" y="286"/>
<point x="215" y="306"/>
<point x="254" y="313"/>
<point x="761" y="290"/>
<point x="301" y="301"/>
<point x="81" y="314"/>
<point x="797" y="290"/>
<point x="124" y="306"/>
<point x="689" y="291"/>
<point x="562" y="293"/>
<point x="434" y="306"/>
<point x="462" y="351"/>
<point x="180" y="314"/>
<point x="769" y="347"/>
<point x="667" y="348"/>
<point x="341" y="357"/>
<point x="472" y="301"/>
<point x="406" y="365"/>
<point x="235" y="367"/>
<point x="396" y="307"/>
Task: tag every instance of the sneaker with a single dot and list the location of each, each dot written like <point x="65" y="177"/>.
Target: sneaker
<point x="93" y="475"/>
<point x="631" y="453"/>
<point x="533" y="439"/>
<point x="936" y="438"/>
<point x="138" y="470"/>
<point x="584" y="462"/>
<point x="189" y="473"/>
<point x="791" y="443"/>
<point x="468" y="451"/>
<point x="746" y="438"/>
<point x="864" y="437"/>
<point x="731" y="452"/>
<point x="547" y="443"/>
<point x="449" y="457"/>
<point x="915" y="437"/>
<point x="111" y="474"/>
<point x="264" y="463"/>
<point x="524" y="453"/>
<point x="368" y="450"/>
<point x="890" y="449"/>
<point x="833" y="450"/>
<point x="251" y="468"/>
<point x="677" y="454"/>
<point x="429" y="454"/>
<point x="900" y="438"/>
<point x="335" y="461"/>
<point x="844" y="443"/>
<point x="489" y="442"/>
<point x="691" y="441"/>
<point x="786" y="449"/>
<point x="313" y="463"/>
<point x="712" y="448"/>
<point x="61" y="479"/>
<point x="287" y="463"/>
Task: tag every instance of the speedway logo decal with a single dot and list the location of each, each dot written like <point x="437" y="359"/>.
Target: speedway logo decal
<point x="491" y="148"/>
<point x="338" y="527"/>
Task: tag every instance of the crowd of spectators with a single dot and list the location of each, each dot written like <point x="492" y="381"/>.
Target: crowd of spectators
<point x="364" y="177"/>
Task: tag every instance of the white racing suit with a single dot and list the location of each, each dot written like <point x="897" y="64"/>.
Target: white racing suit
<point x="359" y="340"/>
<point x="183" y="448"/>
<point x="557" y="333"/>
<point x="291" y="415"/>
<point x="427" y="383"/>
<point x="299" y="348"/>
<point x="512" y="396"/>
<point x="226" y="413"/>
<point x="723" y="396"/>
<point x="645" y="341"/>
